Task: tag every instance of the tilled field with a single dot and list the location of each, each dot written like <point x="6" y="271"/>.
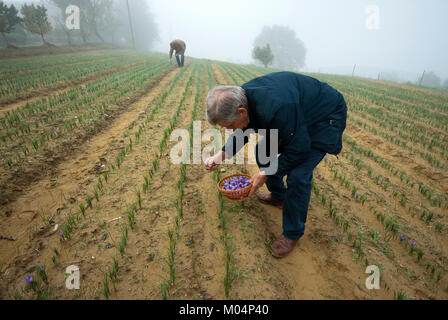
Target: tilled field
<point x="87" y="180"/>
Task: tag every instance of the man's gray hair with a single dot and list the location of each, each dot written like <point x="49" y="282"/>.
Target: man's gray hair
<point x="223" y="103"/>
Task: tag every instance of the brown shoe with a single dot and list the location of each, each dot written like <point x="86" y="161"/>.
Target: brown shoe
<point x="267" y="199"/>
<point x="282" y="246"/>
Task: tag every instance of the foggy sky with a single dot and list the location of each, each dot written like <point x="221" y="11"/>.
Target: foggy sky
<point x="412" y="34"/>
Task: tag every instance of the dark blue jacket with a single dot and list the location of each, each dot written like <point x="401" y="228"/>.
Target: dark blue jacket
<point x="307" y="113"/>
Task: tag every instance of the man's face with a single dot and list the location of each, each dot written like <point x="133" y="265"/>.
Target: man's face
<point x="240" y="122"/>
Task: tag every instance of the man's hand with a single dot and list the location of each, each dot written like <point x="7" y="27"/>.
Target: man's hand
<point x="213" y="163"/>
<point x="257" y="181"/>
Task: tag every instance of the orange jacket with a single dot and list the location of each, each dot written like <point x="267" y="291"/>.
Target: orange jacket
<point x="177" y="45"/>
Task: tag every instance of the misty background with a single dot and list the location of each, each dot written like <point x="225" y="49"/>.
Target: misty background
<point x="405" y="37"/>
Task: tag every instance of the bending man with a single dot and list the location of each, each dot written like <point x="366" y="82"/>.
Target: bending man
<point x="309" y="116"/>
<point x="179" y="47"/>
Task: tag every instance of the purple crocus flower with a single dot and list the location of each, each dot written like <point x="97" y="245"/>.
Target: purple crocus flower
<point x="42" y="268"/>
<point x="236" y="183"/>
<point x="29" y="279"/>
<point x="412" y="243"/>
<point x="61" y="234"/>
<point x="57" y="130"/>
<point x="356" y="194"/>
<point x="403" y="237"/>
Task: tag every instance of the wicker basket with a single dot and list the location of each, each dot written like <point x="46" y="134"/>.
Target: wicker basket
<point x="235" y="195"/>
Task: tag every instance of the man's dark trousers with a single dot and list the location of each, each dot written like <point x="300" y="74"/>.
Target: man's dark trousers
<point x="296" y="197"/>
<point x="180" y="62"/>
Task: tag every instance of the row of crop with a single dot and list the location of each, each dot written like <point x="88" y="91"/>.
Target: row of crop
<point x="238" y="70"/>
<point x="46" y="78"/>
<point x="25" y="64"/>
<point x="50" y="107"/>
<point x="67" y="227"/>
<point x="430" y="158"/>
<point x="401" y="128"/>
<point x="151" y="110"/>
<point x="389" y="222"/>
<point x="173" y="233"/>
<point x="231" y="272"/>
<point x="404" y="94"/>
<point x="21" y="122"/>
<point x="134" y="206"/>
<point x="70" y="222"/>
<point x="362" y="234"/>
<point x="20" y="66"/>
<point x="68" y="121"/>
<point x="410" y="137"/>
<point x="419" y="128"/>
<point x="437" y="199"/>
<point x="425" y="215"/>
<point x="434" y="119"/>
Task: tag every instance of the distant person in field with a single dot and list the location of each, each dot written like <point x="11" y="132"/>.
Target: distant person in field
<point x="179" y="47"/>
<point x="310" y="117"/>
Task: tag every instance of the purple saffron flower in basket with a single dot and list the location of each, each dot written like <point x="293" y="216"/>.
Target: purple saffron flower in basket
<point x="29" y="279"/>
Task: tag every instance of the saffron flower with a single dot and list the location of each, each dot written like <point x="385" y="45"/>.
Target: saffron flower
<point x="29" y="279"/>
<point x="57" y="130"/>
<point x="61" y="234"/>
<point x="412" y="243"/>
<point x="236" y="183"/>
<point x="403" y="237"/>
